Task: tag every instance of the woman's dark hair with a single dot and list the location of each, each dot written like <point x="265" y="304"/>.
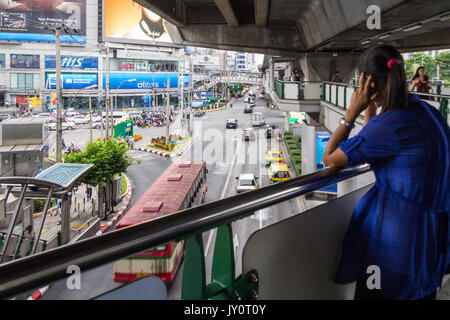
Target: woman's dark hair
<point x="416" y="75"/>
<point x="374" y="61"/>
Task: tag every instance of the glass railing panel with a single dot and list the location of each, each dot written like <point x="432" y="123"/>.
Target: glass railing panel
<point x="291" y="90"/>
<point x="297" y="258"/>
<point x="312" y="90"/>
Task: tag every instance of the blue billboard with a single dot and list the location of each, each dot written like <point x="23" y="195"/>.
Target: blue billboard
<point x="321" y="143"/>
<point x="144" y="81"/>
<point x="71" y="80"/>
<point x="68" y="62"/>
<point x="31" y="20"/>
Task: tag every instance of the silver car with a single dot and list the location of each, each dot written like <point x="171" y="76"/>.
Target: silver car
<point x="246" y="182"/>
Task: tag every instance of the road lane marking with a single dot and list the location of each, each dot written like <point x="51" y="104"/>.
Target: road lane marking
<point x="227" y="181"/>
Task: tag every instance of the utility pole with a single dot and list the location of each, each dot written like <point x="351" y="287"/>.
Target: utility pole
<point x="183" y="121"/>
<point x="58" y="95"/>
<point x="168" y="111"/>
<point x="107" y="94"/>
<point x="90" y="118"/>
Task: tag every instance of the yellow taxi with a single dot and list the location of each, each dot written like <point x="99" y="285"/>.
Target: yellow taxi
<point x="274" y="156"/>
<point x="278" y="172"/>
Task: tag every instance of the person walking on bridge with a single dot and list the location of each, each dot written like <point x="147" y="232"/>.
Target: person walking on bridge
<point x="400" y="227"/>
<point x="337" y="78"/>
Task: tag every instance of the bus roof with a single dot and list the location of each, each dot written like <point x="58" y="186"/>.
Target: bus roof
<point x="166" y="195"/>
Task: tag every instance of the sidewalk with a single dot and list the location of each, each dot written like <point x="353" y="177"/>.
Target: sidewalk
<point x="83" y="213"/>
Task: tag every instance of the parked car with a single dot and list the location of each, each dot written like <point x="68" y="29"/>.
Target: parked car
<point x="79" y="119"/>
<point x="4" y="116"/>
<point x="246" y="182"/>
<point x="231" y="124"/>
<point x="42" y="115"/>
<point x="66" y="125"/>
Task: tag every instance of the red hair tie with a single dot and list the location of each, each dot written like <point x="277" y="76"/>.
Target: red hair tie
<point x="391" y="62"/>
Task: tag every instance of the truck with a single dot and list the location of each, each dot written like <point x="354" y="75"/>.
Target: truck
<point x="257" y="119"/>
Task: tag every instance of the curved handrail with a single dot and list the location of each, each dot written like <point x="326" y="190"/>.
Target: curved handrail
<point x="37" y="270"/>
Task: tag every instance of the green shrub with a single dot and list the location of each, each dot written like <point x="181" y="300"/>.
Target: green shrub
<point x="298" y="169"/>
<point x="296" y="152"/>
<point x="291" y="146"/>
<point x="296" y="159"/>
<point x="287" y="134"/>
<point x="38" y="205"/>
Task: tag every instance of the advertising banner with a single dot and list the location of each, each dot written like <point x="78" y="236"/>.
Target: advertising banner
<point x="26" y="20"/>
<point x="322" y="140"/>
<point x="71" y="80"/>
<point x="144" y="81"/>
<point x="127" y="20"/>
<point x="25" y="61"/>
<point x="68" y="62"/>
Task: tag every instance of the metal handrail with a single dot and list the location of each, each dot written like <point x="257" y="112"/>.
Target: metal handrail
<point x="40" y="269"/>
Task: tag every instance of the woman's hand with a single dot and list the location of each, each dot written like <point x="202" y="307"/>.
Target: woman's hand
<point x="361" y="99"/>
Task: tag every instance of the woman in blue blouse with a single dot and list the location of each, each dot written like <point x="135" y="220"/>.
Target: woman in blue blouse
<point x="402" y="224"/>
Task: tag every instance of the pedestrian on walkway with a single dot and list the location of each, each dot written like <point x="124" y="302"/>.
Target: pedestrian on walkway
<point x="89" y="191"/>
<point x="337" y="78"/>
<point x="401" y="225"/>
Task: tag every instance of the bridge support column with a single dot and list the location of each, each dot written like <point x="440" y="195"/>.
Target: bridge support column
<point x="287" y="116"/>
<point x="322" y="66"/>
<point x="308" y="149"/>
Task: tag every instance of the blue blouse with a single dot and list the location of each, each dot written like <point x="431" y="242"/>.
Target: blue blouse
<point x="401" y="224"/>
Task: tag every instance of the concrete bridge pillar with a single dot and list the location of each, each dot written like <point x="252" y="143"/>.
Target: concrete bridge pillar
<point x="322" y="66"/>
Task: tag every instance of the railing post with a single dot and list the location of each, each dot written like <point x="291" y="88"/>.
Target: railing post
<point x="345" y="97"/>
<point x="330" y="94"/>
<point x="282" y="90"/>
<point x="222" y="273"/>
<point x="194" y="279"/>
<point x="443" y="108"/>
<point x="337" y="95"/>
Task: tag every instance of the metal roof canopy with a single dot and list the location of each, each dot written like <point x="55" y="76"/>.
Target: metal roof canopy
<point x="64" y="174"/>
<point x="55" y="182"/>
<point x="18" y="148"/>
<point x="61" y="177"/>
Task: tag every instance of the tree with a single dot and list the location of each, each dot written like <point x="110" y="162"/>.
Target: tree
<point x="109" y="159"/>
<point x="443" y="59"/>
<point x="420" y="59"/>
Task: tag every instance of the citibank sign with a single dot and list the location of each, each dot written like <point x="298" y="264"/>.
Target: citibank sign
<point x="146" y="85"/>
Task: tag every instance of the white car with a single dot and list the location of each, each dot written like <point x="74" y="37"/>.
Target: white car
<point x="246" y="182"/>
<point x="249" y="134"/>
<point x="66" y="125"/>
<point x="79" y="119"/>
<point x="42" y="115"/>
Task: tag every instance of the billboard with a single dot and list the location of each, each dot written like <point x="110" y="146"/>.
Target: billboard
<point x="144" y="81"/>
<point x="71" y="80"/>
<point x="25" y="61"/>
<point x="322" y="139"/>
<point x="128" y="21"/>
<point x="69" y="62"/>
<point x="26" y="20"/>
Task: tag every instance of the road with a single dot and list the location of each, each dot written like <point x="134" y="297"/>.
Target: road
<point x="227" y="156"/>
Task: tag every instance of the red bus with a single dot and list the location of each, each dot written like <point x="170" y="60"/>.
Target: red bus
<point x="181" y="186"/>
